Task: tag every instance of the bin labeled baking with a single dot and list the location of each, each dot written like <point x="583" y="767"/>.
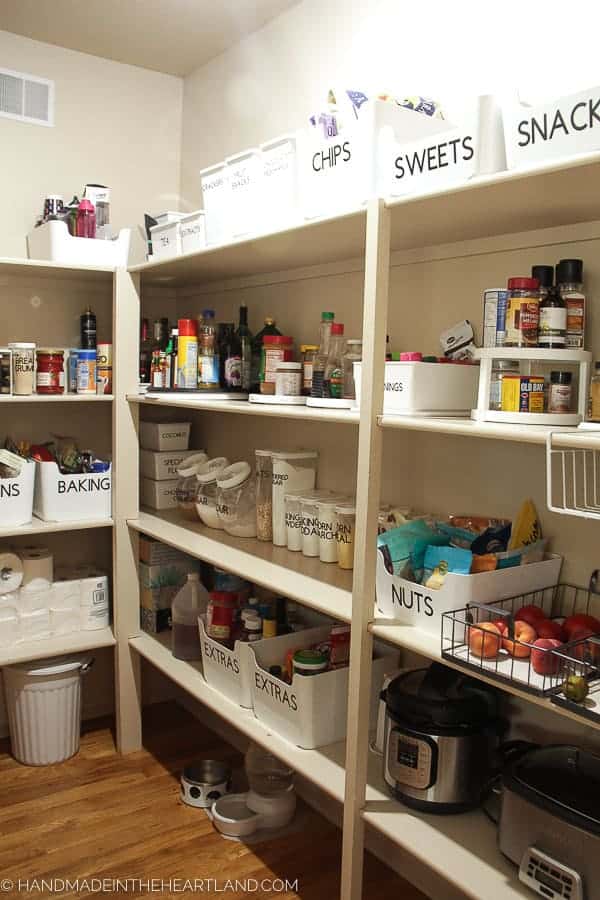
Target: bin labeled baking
<point x="70" y="498"/>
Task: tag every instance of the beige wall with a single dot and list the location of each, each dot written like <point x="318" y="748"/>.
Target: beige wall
<point x="114" y="124"/>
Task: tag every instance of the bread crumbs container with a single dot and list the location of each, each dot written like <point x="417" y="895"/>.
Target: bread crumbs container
<point x="206" y="491"/>
<point x="293" y="471"/>
<point x="345" y="524"/>
<point x="187" y="484"/>
<point x="293" y="521"/>
<point x="236" y="500"/>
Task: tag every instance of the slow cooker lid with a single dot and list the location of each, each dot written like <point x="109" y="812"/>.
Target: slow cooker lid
<point x="561" y="779"/>
<point x="438" y="697"/>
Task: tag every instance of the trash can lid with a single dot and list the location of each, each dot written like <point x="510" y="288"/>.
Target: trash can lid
<point x="45" y="667"/>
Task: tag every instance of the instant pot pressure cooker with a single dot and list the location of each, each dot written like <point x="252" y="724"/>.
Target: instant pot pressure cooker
<point x="441" y="735"/>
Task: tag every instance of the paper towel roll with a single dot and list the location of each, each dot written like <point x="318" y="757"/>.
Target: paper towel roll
<point x="11" y="572"/>
<point x="37" y="563"/>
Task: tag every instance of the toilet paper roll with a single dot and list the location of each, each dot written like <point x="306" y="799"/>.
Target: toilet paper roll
<point x="35" y="626"/>
<point x="11" y="572"/>
<point x="65" y="620"/>
<point x="66" y="594"/>
<point x="32" y="598"/>
<point x="37" y="564"/>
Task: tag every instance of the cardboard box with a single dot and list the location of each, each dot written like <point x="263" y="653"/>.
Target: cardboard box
<point x="158" y="494"/>
<point x="156" y="599"/>
<point x="169" y="575"/>
<point x="165" y="435"/>
<point x="155" y="553"/>
<point x="154" y="622"/>
<point x="162" y="465"/>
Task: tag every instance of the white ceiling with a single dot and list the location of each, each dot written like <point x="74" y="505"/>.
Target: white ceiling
<point x="174" y="36"/>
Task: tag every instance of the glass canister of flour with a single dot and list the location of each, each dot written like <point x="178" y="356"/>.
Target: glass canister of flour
<point x="293" y="471"/>
<point x="206" y="491"/>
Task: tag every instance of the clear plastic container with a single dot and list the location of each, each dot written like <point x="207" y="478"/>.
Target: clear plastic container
<point x="327" y="525"/>
<point x="309" y="501"/>
<point x="185" y="491"/>
<point x="236" y="500"/>
<point x="264" y="495"/>
<point x="352" y="355"/>
<point x="293" y="521"/>
<point x="189" y="603"/>
<point x="206" y="491"/>
<point x="267" y="775"/>
<point x="293" y="471"/>
<point x="345" y="525"/>
<point x="500" y="368"/>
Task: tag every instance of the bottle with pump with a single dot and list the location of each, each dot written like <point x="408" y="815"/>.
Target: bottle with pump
<point x="189" y="603"/>
<point x="245" y="337"/>
<point x="257" y="352"/>
<point x="320" y="360"/>
<point x="333" y="380"/>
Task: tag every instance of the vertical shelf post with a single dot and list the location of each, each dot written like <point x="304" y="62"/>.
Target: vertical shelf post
<point x="126" y="319"/>
<point x="377" y="265"/>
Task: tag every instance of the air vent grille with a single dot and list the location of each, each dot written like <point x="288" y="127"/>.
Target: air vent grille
<point x="26" y="98"/>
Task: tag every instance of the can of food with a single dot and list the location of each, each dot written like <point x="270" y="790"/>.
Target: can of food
<point x="523" y="393"/>
<point x="86" y="371"/>
<point x="104" y="356"/>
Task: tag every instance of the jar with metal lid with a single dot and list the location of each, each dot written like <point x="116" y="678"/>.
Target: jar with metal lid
<point x="352" y="355"/>
<point x="264" y="495"/>
<point x="206" y="491"/>
<point x="50" y="375"/>
<point x="236" y="500"/>
<point x="187" y="486"/>
<point x="523" y="312"/>
<point x="559" y="395"/>
<point x="500" y="368"/>
<point x="288" y="379"/>
<point x="277" y="348"/>
<point x="308" y="352"/>
<point x="309" y="662"/>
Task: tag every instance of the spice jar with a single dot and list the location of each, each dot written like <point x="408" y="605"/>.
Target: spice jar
<point x="523" y="312"/>
<point x="220" y="616"/>
<point x="345" y="525"/>
<point x="277" y="348"/>
<point x="500" y="368"/>
<point x="309" y="352"/>
<point x="50" y="376"/>
<point x="288" y="379"/>
<point x="293" y="521"/>
<point x="352" y="355"/>
<point x="23" y="355"/>
<point x="264" y="495"/>
<point x="236" y="500"/>
<point x="187" y="486"/>
<point x="309" y="662"/>
<point x="206" y="491"/>
<point x="559" y="397"/>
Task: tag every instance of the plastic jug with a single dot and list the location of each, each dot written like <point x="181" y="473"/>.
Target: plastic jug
<point x="267" y="775"/>
<point x="187" y="605"/>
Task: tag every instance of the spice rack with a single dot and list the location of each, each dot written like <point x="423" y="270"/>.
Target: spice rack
<point x="527" y="357"/>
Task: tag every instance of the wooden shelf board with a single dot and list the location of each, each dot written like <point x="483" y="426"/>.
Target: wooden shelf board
<point x="524" y="434"/>
<point x="57" y="646"/>
<point x="322" y="586"/>
<point x="37" y="526"/>
<point x="58" y="398"/>
<point x="43" y="268"/>
<point x="244" y="407"/>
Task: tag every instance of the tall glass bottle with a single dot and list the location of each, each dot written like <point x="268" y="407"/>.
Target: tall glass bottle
<point x="320" y="360"/>
<point x="208" y="357"/>
<point x="333" y="379"/>
<point x="245" y="337"/>
<point x="257" y="347"/>
<point x="145" y="352"/>
<point x="230" y="357"/>
<point x="160" y="330"/>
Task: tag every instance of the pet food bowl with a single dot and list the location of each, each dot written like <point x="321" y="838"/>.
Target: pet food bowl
<point x="204" y="782"/>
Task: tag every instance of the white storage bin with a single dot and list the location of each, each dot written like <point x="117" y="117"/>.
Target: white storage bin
<point x="158" y="494"/>
<point x="192" y="230"/>
<point x="70" y="498"/>
<point x="245" y="178"/>
<point x="164" y="435"/>
<point x="214" y="182"/>
<point x="426" y="389"/>
<point x="311" y="712"/>
<point x="280" y="202"/>
<point x="52" y="241"/>
<point x="166" y="240"/>
<point x="162" y="465"/>
<point x="472" y="145"/>
<point x="16" y="496"/>
<point x="413" y="604"/>
<point x="556" y="130"/>
<point x="44" y="709"/>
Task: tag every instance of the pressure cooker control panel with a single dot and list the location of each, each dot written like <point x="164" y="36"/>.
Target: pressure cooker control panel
<point x="549" y="877"/>
<point x="412" y="758"/>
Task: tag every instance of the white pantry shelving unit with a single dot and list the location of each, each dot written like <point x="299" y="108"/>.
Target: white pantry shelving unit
<point x="377" y="249"/>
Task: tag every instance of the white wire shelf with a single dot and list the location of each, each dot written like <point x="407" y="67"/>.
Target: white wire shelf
<point x="573" y="473"/>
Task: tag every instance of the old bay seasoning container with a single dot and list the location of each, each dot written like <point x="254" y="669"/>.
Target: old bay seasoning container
<point x="522" y="313"/>
<point x="523" y="393"/>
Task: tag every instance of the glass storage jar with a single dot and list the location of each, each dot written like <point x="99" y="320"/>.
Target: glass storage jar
<point x="309" y="352"/>
<point x="264" y="495"/>
<point x="206" y="491"/>
<point x="352" y="355"/>
<point x="185" y="492"/>
<point x="326" y="507"/>
<point x="500" y="368"/>
<point x="236" y="500"/>
<point x="523" y="313"/>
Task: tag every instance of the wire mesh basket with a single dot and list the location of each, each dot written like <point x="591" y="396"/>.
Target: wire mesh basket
<point x="508" y="652"/>
<point x="573" y="474"/>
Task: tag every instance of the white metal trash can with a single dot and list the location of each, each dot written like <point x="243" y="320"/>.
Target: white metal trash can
<point x="43" y="700"/>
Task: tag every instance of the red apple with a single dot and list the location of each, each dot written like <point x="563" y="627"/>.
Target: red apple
<point x="484" y="640"/>
<point x="586" y="651"/>
<point x="543" y="661"/>
<point x="581" y="620"/>
<point x="532" y="614"/>
<point x="550" y="628"/>
<point x="524" y="634"/>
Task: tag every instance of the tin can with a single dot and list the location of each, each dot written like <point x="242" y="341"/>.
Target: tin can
<point x="86" y="372"/>
<point x="523" y="393"/>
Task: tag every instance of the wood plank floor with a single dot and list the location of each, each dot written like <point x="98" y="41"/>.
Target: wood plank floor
<point x="103" y="816"/>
